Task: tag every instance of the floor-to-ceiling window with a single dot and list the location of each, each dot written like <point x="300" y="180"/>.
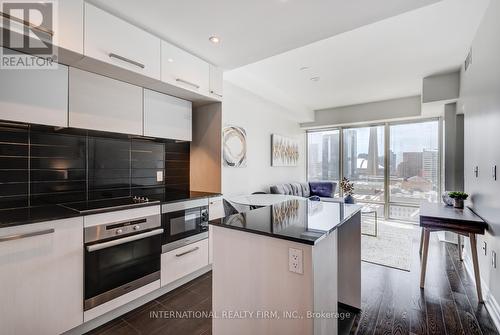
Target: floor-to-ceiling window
<point x="323" y="156"/>
<point x="394" y="166"/>
<point x="364" y="162"/>
<point x="414" y="174"/>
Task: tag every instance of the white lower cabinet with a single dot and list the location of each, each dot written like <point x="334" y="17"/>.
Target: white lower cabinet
<point x="41" y="277"/>
<point x="180" y="262"/>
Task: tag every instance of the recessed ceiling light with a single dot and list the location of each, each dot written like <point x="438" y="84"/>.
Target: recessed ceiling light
<point x="315" y="79"/>
<point x="304" y="68"/>
<point x="170" y="60"/>
<point x="214" y="39"/>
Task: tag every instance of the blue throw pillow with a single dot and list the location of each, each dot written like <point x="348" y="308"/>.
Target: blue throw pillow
<point x="322" y="189"/>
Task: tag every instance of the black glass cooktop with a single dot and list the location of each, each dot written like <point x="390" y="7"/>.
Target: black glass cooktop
<point x="97" y="206"/>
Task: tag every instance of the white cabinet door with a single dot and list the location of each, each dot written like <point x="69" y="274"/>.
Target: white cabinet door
<point x="215" y="208"/>
<point x="167" y="117"/>
<point x="216" y="82"/>
<point x="70" y="25"/>
<point x="180" y="262"/>
<point x="35" y="96"/>
<point x="100" y="103"/>
<point x="182" y="69"/>
<point x="64" y="29"/>
<point x="41" y="277"/>
<point x="112" y="40"/>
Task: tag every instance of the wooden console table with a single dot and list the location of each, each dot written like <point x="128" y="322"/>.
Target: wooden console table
<point x="438" y="217"/>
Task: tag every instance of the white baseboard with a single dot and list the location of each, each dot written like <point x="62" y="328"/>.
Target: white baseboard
<point x="490" y="302"/>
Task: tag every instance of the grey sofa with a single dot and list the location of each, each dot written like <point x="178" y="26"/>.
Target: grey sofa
<point x="322" y="190"/>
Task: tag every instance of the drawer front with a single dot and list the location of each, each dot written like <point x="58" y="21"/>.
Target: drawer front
<point x="112" y="40"/>
<point x="41" y="276"/>
<point x="180" y="262"/>
<point x="183" y="69"/>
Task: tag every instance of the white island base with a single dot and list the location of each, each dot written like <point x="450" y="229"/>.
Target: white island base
<point x="254" y="292"/>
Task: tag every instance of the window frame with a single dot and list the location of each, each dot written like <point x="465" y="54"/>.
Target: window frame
<point x="386" y="124"/>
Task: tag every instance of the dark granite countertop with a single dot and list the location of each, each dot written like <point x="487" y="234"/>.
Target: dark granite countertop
<point x="183" y="196"/>
<point x="298" y="220"/>
<point x="21" y="216"/>
<point x="27" y="215"/>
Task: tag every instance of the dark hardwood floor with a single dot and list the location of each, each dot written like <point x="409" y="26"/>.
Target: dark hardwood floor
<point x="194" y="296"/>
<point x="392" y="302"/>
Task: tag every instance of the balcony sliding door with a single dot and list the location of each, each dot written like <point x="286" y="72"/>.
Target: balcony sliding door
<point x="323" y="156"/>
<point x="364" y="163"/>
<point x="414" y="174"/>
<point x="394" y="166"/>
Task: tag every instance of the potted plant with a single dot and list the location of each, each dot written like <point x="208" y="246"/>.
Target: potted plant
<point x="348" y="188"/>
<point x="458" y="198"/>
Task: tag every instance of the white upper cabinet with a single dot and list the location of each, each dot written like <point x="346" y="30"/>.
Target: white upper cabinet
<point x="167" y="117"/>
<point x="41" y="276"/>
<point x="70" y="25"/>
<point x="64" y="28"/>
<point x="182" y="69"/>
<point x="101" y="103"/>
<point x="35" y="96"/>
<point x="114" y="41"/>
<point x="216" y="82"/>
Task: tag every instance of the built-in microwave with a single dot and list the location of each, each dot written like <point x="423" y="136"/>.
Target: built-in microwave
<point x="184" y="222"/>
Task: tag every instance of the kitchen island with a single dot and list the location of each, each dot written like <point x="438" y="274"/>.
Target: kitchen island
<point x="282" y="269"/>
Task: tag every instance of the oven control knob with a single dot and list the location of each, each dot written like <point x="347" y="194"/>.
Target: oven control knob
<point x="119" y="231"/>
<point x="137" y="227"/>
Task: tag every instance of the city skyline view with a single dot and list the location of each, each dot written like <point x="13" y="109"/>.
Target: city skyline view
<point x="413" y="163"/>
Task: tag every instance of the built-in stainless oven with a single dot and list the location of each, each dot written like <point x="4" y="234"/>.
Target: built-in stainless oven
<point x="184" y="222"/>
<point x="121" y="257"/>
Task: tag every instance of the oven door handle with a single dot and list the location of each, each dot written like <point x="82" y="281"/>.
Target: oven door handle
<point x="104" y="245"/>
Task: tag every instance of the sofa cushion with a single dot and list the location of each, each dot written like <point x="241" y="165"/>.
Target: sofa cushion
<point x="288" y="189"/>
<point x="306" y="192"/>
<point x="296" y="189"/>
<point x="323" y="189"/>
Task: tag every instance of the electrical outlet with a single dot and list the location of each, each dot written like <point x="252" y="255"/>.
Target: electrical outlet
<point x="494" y="259"/>
<point x="476" y="171"/>
<point x="484" y="248"/>
<point x="295" y="260"/>
<point x="159" y="176"/>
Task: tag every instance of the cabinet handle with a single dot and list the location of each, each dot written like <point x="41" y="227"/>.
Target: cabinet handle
<point x="113" y="55"/>
<point x="219" y="95"/>
<point x="187" y="252"/>
<point x="112" y="243"/>
<point x="27" y="24"/>
<point x="26" y="235"/>
<point x="187" y="83"/>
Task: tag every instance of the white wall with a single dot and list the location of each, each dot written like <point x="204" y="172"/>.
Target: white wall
<point x="260" y="118"/>
<point x="480" y="102"/>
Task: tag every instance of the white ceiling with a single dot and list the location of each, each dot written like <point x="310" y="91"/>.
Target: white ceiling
<point x="383" y="60"/>
<point x="251" y="30"/>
